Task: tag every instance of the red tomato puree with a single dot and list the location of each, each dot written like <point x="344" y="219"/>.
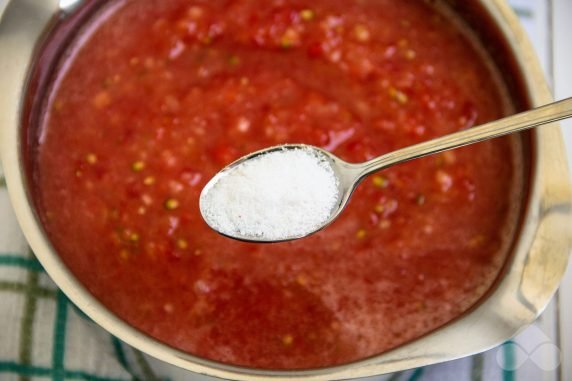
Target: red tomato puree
<point x="157" y="96"/>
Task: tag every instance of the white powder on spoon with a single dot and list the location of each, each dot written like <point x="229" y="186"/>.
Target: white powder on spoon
<point x="273" y="196"/>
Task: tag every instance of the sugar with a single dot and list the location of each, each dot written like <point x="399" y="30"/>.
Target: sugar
<point x="274" y="196"/>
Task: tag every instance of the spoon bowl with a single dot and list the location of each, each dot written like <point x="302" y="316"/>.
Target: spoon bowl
<point x="346" y="174"/>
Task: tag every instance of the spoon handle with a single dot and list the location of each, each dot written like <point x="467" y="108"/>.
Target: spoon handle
<point x="542" y="115"/>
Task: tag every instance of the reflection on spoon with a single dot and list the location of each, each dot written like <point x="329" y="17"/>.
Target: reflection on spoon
<point x="288" y="192"/>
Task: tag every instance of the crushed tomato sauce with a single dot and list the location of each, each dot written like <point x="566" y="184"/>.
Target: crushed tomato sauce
<point x="160" y="95"/>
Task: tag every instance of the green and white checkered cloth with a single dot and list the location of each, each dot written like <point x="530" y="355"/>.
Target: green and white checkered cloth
<point x="43" y="336"/>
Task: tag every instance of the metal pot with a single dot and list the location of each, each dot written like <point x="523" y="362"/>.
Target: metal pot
<point x="30" y="28"/>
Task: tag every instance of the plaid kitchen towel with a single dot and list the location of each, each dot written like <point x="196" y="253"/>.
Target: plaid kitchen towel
<point x="44" y="337"/>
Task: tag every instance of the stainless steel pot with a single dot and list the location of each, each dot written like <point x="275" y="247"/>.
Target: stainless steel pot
<point x="530" y="278"/>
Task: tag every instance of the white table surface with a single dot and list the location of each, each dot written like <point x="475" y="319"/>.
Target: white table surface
<point x="561" y="72"/>
<point x="549" y="24"/>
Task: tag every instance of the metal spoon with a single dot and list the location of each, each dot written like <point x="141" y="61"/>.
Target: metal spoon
<point x="349" y="175"/>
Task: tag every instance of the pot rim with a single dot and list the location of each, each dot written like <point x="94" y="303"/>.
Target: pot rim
<point x="539" y="257"/>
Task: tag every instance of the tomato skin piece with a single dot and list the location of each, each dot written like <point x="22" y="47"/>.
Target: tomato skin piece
<point x="224" y="154"/>
<point x="315" y="50"/>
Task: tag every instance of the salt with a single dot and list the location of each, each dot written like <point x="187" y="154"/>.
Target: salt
<point x="273" y="196"/>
